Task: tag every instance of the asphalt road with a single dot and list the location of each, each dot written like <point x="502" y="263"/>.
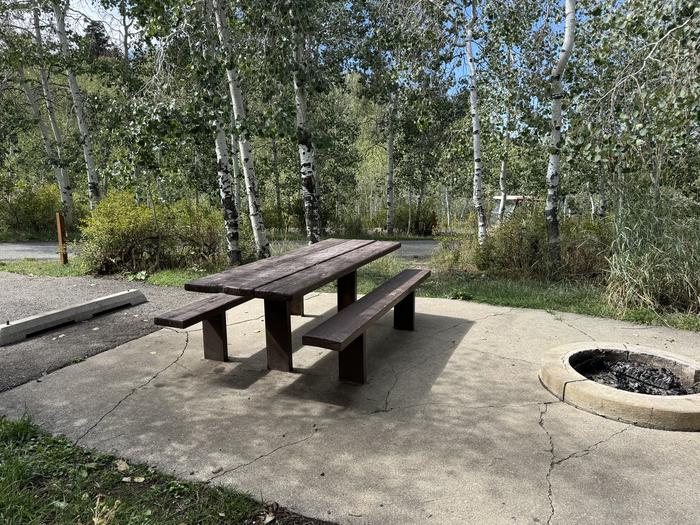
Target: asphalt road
<point x="22" y="296"/>
<point x="48" y="250"/>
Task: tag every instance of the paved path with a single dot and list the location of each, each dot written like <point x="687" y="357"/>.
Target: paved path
<point x="30" y="250"/>
<point x="47" y="250"/>
<point x="452" y="426"/>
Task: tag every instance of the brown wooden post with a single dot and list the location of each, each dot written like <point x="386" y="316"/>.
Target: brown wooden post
<point x="62" y="247"/>
<point x="214" y="337"/>
<point x="351" y="362"/>
<point x="278" y="335"/>
<point x="296" y="306"/>
<point x="347" y="290"/>
<point x="405" y="313"/>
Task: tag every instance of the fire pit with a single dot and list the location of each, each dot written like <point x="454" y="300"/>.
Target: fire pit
<point x="634" y="384"/>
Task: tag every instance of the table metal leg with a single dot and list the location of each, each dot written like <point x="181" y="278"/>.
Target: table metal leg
<point x="214" y="338"/>
<point x="278" y="334"/>
<point x="347" y="290"/>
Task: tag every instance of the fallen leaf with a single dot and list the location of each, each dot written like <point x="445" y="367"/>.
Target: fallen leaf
<point x="269" y="518"/>
<point x="126" y="479"/>
<point x="139" y="479"/>
<point x="122" y="466"/>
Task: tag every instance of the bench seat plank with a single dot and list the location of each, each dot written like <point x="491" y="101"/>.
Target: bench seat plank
<point x="263" y="271"/>
<point x="197" y="311"/>
<point x="344" y="327"/>
<point x="316" y="276"/>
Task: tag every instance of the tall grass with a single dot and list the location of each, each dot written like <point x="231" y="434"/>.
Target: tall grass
<point x="655" y="260"/>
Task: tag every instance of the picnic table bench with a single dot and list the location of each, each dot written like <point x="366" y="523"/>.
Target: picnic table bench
<point x="283" y="280"/>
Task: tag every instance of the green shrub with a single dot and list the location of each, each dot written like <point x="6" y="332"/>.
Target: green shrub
<point x="518" y="247"/>
<point x="655" y="259"/>
<point x="122" y="236"/>
<point x="29" y="212"/>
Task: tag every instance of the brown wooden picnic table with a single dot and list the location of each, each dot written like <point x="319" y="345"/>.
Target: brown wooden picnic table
<point x="283" y="280"/>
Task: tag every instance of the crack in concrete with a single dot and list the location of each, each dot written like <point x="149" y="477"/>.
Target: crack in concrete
<point x="266" y="454"/>
<point x="136" y="388"/>
<point x="586" y="451"/>
<point x="467" y="407"/>
<point x="500" y="356"/>
<point x="553" y="461"/>
<point x="227" y="324"/>
<point x="548" y="477"/>
<point x="561" y="320"/>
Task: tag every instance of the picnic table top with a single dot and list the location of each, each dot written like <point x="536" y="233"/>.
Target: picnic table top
<point x="284" y="277"/>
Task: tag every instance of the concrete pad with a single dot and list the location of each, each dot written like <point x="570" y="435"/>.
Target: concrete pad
<point x="451" y="427"/>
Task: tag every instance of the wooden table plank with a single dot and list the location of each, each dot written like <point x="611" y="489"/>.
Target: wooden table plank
<point x="263" y="271"/>
<point x="309" y="279"/>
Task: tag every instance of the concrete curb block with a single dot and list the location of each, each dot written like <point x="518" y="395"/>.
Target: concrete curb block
<point x="15" y="331"/>
<point x="680" y="413"/>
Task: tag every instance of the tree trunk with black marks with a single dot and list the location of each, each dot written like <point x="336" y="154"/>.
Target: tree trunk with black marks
<point x="390" y="173"/>
<point x="50" y="149"/>
<point x="93" y="181"/>
<point x="276" y="179"/>
<point x="228" y="205"/>
<point x="64" y="182"/>
<point x="262" y="245"/>
<point x="503" y="175"/>
<point x="476" y="132"/>
<point x="309" y="187"/>
<point x="236" y="167"/>
<point x="551" y="211"/>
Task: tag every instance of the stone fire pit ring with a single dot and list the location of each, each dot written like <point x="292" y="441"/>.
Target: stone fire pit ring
<point x="670" y="412"/>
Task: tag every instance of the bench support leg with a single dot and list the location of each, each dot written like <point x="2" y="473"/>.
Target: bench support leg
<point x="296" y="306"/>
<point x="214" y="337"/>
<point x="278" y="335"/>
<point x="351" y="362"/>
<point x="405" y="313"/>
<point x="347" y="290"/>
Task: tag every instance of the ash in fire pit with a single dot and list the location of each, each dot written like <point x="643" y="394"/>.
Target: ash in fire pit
<point x="639" y="373"/>
<point x="640" y="378"/>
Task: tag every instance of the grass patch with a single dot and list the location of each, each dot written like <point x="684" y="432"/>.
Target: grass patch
<point x="585" y="297"/>
<point x="46" y="479"/>
<point x="581" y="297"/>
<point x="48" y="268"/>
<point x="175" y="277"/>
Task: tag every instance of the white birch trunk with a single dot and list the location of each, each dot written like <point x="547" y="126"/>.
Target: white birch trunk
<point x="52" y="152"/>
<point x="390" y="173"/>
<point x="276" y="178"/>
<point x="503" y="175"/>
<point x="262" y="245"/>
<point x="93" y="181"/>
<point x="476" y="133"/>
<point x="552" y="203"/>
<point x="228" y="205"/>
<point x="235" y="163"/>
<point x="64" y="182"/>
<point x="306" y="154"/>
<point x="602" y="202"/>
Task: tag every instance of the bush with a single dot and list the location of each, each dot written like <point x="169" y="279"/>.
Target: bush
<point x="28" y="212"/>
<point x="655" y="259"/>
<point x="122" y="236"/>
<point x="518" y="247"/>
